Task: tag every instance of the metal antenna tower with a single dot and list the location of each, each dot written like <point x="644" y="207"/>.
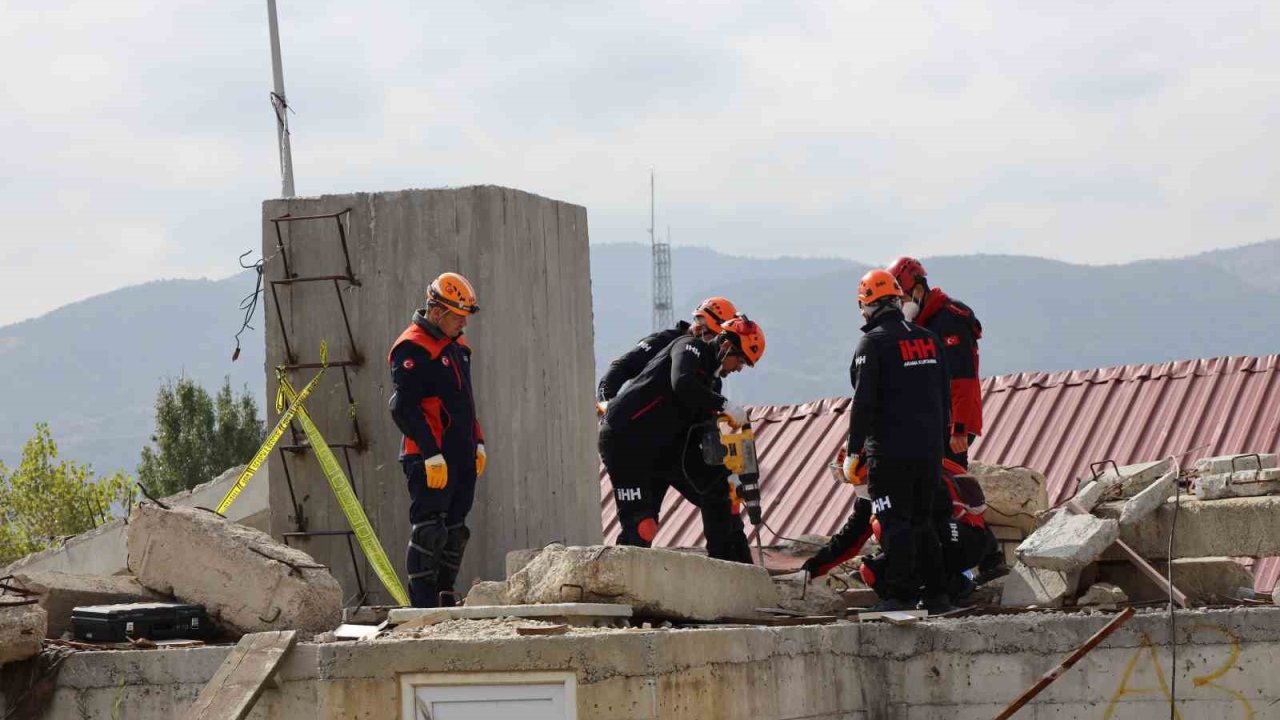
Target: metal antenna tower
<point x="663" y="317"/>
<point x="279" y="103"/>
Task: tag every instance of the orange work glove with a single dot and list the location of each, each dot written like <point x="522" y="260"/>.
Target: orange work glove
<point x="437" y="472"/>
<point x="481" y="459"/>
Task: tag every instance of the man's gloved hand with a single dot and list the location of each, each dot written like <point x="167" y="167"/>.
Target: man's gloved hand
<point x="735" y="414"/>
<point x="601" y="407"/>
<point x="481" y="459"/>
<point x="960" y="443"/>
<point x="850" y="467"/>
<point x="437" y="472"/>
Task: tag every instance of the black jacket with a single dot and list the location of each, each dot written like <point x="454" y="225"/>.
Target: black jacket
<point x="632" y="362"/>
<point x="432" y="403"/>
<point x="676" y="390"/>
<point x="901" y="395"/>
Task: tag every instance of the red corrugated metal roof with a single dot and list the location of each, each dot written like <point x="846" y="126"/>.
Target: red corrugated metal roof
<point x="1058" y="423"/>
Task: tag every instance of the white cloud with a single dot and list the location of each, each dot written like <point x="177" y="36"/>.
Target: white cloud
<point x="138" y="141"/>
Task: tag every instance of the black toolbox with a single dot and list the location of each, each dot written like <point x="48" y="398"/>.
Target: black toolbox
<point x="154" y="621"/>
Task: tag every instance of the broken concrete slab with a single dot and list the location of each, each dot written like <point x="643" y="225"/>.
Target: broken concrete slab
<point x="657" y="583"/>
<point x="487" y="592"/>
<point x="1068" y="542"/>
<point x="1203" y="580"/>
<point x="1090" y="494"/>
<point x="1150" y="498"/>
<point x="1232" y="527"/>
<point x="813" y="598"/>
<point x="247" y="581"/>
<point x="22" y="631"/>
<point x="517" y="559"/>
<point x="1242" y="483"/>
<point x="60" y="593"/>
<point x="1015" y="495"/>
<point x="1132" y="479"/>
<point x="1027" y="586"/>
<point x="580" y="614"/>
<point x="1103" y="594"/>
<point x="1235" y="463"/>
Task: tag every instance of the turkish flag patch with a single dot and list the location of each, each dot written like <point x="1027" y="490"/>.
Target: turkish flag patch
<point x="445" y="361"/>
<point x="951" y="340"/>
<point x="408" y="363"/>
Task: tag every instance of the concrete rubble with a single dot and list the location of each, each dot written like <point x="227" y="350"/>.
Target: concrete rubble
<point x="1068" y="542"/>
<point x="1148" y="499"/>
<point x="1241" y="483"/>
<point x="1235" y="463"/>
<point x="60" y="593"/>
<point x="22" y="631"/>
<point x="1015" y="495"/>
<point x="1027" y="586"/>
<point x="1103" y="594"/>
<point x="1231" y="527"/>
<point x="487" y="592"/>
<point x="247" y="581"/>
<point x="657" y="583"/>
<point x="1129" y="480"/>
<point x="1090" y="493"/>
<point x="813" y="598"/>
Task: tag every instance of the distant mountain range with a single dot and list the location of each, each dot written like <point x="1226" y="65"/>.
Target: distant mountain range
<point x="91" y="369"/>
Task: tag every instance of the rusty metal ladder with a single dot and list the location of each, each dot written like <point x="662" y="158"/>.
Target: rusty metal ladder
<point x="299" y="446"/>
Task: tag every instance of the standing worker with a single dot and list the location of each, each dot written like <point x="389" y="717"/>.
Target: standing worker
<point x="650" y="438"/>
<point x="900" y="419"/>
<point x="442" y="452"/>
<point x="959" y="329"/>
<point x="708" y="321"/>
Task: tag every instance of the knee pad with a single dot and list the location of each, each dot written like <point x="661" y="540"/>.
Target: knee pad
<point x="454" y="546"/>
<point x="426" y="546"/>
<point x="647" y="529"/>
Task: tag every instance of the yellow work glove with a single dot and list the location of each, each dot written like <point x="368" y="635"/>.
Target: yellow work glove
<point x="481" y="458"/>
<point x="437" y="472"/>
<point x="600" y="408"/>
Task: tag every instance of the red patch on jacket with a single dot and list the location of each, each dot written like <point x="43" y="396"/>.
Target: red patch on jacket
<point x="952" y="340"/>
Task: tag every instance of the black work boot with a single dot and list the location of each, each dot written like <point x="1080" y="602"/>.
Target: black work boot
<point x="995" y="572"/>
<point x="892" y="605"/>
<point x="937" y="604"/>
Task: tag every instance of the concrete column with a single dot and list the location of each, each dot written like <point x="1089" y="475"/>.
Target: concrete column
<point x="533" y="363"/>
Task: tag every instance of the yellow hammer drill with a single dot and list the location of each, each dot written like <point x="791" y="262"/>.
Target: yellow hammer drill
<point x="736" y="451"/>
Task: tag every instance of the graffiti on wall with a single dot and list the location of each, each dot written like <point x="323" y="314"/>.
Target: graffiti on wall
<point x="1145" y="656"/>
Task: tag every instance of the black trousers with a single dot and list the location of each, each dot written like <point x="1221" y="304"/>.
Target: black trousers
<point x="438" y="532"/>
<point x="903" y="493"/>
<point x="642" y="474"/>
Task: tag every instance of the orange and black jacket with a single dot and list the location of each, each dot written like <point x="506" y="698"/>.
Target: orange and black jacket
<point x="632" y="362"/>
<point x="958" y="328"/>
<point x="432" y="402"/>
<point x="964" y="499"/>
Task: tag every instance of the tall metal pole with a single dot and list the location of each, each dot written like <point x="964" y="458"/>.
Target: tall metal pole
<point x="280" y="105"/>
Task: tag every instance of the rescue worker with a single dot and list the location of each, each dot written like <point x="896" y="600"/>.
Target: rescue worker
<point x="650" y="438"/>
<point x="442" y="452"/>
<point x="708" y="321"/>
<point x="899" y="420"/>
<point x="959" y="329"/>
<point x="958" y="511"/>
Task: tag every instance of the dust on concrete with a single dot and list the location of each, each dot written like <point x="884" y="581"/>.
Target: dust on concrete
<point x="492" y="628"/>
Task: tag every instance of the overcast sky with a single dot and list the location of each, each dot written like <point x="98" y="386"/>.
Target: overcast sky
<point x="137" y="138"/>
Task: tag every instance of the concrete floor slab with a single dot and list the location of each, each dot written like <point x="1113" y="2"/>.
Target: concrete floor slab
<point x="1232" y="527"/>
<point x="478" y="612"/>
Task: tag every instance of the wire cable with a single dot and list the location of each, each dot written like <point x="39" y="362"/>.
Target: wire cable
<point x="250" y="302"/>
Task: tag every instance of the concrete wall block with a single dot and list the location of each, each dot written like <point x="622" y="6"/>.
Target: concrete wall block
<point x="1204" y="580"/>
<point x="247" y="581"/>
<point x="654" y="582"/>
<point x="528" y="258"/>
<point x="517" y="559"/>
<point x="60" y="593"/>
<point x="1234" y="463"/>
<point x="1025" y="586"/>
<point x="1068" y="542"/>
<point x="1015" y="495"/>
<point x="1232" y="527"/>
<point x="1150" y="498"/>
<point x="22" y="631"/>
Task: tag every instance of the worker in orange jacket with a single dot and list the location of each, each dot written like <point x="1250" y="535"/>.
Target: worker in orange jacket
<point x="442" y="452"/>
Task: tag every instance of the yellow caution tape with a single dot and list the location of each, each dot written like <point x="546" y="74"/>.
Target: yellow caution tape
<point x="265" y="451"/>
<point x="347" y="499"/>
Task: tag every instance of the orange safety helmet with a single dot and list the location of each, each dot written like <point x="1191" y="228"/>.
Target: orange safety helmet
<point x="877" y="285"/>
<point x="714" y="311"/>
<point x="747" y="337"/>
<point x="907" y="271"/>
<point x="452" y="292"/>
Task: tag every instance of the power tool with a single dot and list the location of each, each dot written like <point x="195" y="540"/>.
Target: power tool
<point x="736" y="451"/>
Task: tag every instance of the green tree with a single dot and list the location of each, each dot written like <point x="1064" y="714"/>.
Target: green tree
<point x="46" y="498"/>
<point x="198" y="436"/>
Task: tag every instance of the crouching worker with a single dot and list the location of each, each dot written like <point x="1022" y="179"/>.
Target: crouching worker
<point x="959" y="506"/>
<point x="442" y="452"/>
<point x="651" y="437"/>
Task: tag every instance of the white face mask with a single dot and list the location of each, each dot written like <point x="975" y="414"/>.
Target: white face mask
<point x="910" y="309"/>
